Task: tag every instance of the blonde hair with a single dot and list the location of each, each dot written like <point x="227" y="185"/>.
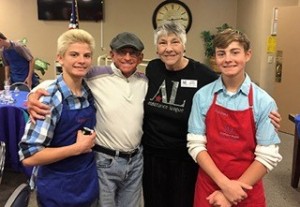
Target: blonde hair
<point x="74" y="36"/>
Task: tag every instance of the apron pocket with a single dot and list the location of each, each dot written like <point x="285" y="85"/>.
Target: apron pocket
<point x="68" y="189"/>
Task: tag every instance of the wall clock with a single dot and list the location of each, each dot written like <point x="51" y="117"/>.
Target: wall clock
<point x="172" y="10"/>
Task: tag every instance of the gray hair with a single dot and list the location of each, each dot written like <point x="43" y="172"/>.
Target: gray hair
<point x="74" y="36"/>
<point x="170" y="27"/>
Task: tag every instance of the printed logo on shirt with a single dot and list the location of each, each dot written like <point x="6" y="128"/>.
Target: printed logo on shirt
<point x="160" y="100"/>
<point x="185" y="83"/>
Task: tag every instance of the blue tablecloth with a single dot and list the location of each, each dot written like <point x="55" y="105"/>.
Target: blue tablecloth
<point x="20" y="100"/>
<point x="13" y="118"/>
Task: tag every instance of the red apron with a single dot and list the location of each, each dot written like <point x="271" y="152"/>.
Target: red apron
<point x="231" y="144"/>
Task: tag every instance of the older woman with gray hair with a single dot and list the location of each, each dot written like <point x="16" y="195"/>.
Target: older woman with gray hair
<point x="169" y="172"/>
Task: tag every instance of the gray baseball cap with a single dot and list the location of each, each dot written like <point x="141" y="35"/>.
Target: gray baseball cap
<point x="126" y="39"/>
<point x="2" y="36"/>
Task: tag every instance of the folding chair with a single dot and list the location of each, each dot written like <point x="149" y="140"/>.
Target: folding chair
<point x="21" y="86"/>
<point x="20" y="197"/>
<point x="2" y="158"/>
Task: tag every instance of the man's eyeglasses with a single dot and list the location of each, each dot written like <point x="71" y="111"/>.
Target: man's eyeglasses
<point x="132" y="52"/>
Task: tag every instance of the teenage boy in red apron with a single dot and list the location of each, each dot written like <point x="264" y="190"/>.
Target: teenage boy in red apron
<point x="230" y="134"/>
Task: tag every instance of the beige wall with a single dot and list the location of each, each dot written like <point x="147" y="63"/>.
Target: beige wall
<point x="18" y="18"/>
<point x="255" y="18"/>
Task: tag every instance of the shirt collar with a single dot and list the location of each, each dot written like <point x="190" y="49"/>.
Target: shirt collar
<point x="245" y="87"/>
<point x="118" y="72"/>
<point x="66" y="92"/>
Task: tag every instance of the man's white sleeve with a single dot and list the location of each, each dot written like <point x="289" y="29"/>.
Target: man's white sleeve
<point x="42" y="85"/>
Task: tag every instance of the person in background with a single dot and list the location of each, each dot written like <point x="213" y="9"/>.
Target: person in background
<point x="18" y="62"/>
<point x="229" y="132"/>
<point x="169" y="171"/>
<point x="66" y="173"/>
<point x="119" y="91"/>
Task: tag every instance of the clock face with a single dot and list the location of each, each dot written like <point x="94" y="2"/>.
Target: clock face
<point x="172" y="11"/>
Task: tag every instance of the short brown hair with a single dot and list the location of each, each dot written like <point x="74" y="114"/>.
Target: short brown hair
<point x="2" y="36"/>
<point x="226" y="37"/>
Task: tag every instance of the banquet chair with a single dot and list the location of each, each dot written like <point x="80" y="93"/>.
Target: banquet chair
<point x="21" y="86"/>
<point x="20" y="197"/>
<point x="2" y="158"/>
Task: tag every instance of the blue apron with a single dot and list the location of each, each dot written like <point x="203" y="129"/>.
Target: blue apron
<point x="72" y="182"/>
<point x="19" y="67"/>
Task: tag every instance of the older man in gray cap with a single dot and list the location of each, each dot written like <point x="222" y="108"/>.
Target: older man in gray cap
<point x="119" y="91"/>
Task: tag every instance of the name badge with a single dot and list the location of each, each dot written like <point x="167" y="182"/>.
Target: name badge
<point x="189" y="83"/>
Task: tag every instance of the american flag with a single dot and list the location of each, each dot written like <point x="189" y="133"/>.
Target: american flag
<point x="74" y="16"/>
